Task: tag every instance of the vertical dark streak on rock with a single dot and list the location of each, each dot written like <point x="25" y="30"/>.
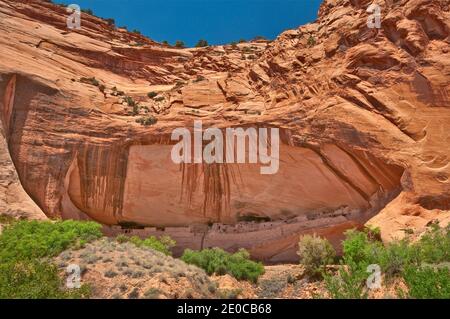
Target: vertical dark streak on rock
<point x="103" y="172"/>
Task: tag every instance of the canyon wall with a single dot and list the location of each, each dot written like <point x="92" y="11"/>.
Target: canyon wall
<point x="363" y="114"/>
<point x="14" y="201"/>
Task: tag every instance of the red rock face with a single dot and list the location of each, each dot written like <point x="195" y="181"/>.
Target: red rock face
<point x="363" y="114"/>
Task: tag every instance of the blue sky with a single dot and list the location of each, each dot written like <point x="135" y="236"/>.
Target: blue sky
<point x="217" y="21"/>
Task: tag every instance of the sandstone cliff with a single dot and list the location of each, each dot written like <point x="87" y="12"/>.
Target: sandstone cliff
<point x="363" y="113"/>
<point x="14" y="201"/>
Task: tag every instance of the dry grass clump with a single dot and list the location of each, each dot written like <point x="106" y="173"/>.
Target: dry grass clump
<point x="123" y="270"/>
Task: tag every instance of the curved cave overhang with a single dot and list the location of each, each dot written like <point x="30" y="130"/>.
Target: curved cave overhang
<point x="324" y="189"/>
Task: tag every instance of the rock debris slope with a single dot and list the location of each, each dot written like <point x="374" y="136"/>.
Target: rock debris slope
<point x="364" y="116"/>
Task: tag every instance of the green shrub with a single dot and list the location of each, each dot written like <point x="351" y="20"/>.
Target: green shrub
<point x="311" y="41"/>
<point x="427" y="282"/>
<point x="373" y="233"/>
<point x="36" y="239"/>
<point x="359" y="251"/>
<point x="23" y="246"/>
<point x="6" y="219"/>
<point x="135" y="110"/>
<point x="434" y="245"/>
<point x="394" y="257"/>
<point x="315" y="253"/>
<point x="110" y="21"/>
<point x="152" y="94"/>
<point x="122" y="239"/>
<point x="218" y="261"/>
<point x="147" y="120"/>
<point x="417" y="263"/>
<point x="201" y="43"/>
<point x="116" y="92"/>
<point x="179" y="44"/>
<point x="92" y="81"/>
<point x="35" y="280"/>
<point x="164" y="244"/>
<point x="349" y="283"/>
<point x="358" y="247"/>
<point x="130" y="101"/>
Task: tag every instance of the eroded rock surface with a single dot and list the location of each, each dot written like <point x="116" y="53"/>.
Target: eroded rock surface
<point x="14" y="201"/>
<point x="363" y="115"/>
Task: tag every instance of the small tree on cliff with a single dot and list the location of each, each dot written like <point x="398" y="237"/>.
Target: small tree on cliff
<point x="201" y="43"/>
<point x="179" y="44"/>
<point x="87" y="11"/>
<point x="311" y="41"/>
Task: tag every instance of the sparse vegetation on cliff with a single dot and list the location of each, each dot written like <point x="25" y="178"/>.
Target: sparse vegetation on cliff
<point x="132" y="103"/>
<point x="152" y="94"/>
<point x="110" y="21"/>
<point x="129" y="100"/>
<point x="311" y="41"/>
<point x="201" y="43"/>
<point x="179" y="44"/>
<point x="147" y="120"/>
<point x="92" y="81"/>
<point x="116" y="92"/>
<point x="88" y="11"/>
